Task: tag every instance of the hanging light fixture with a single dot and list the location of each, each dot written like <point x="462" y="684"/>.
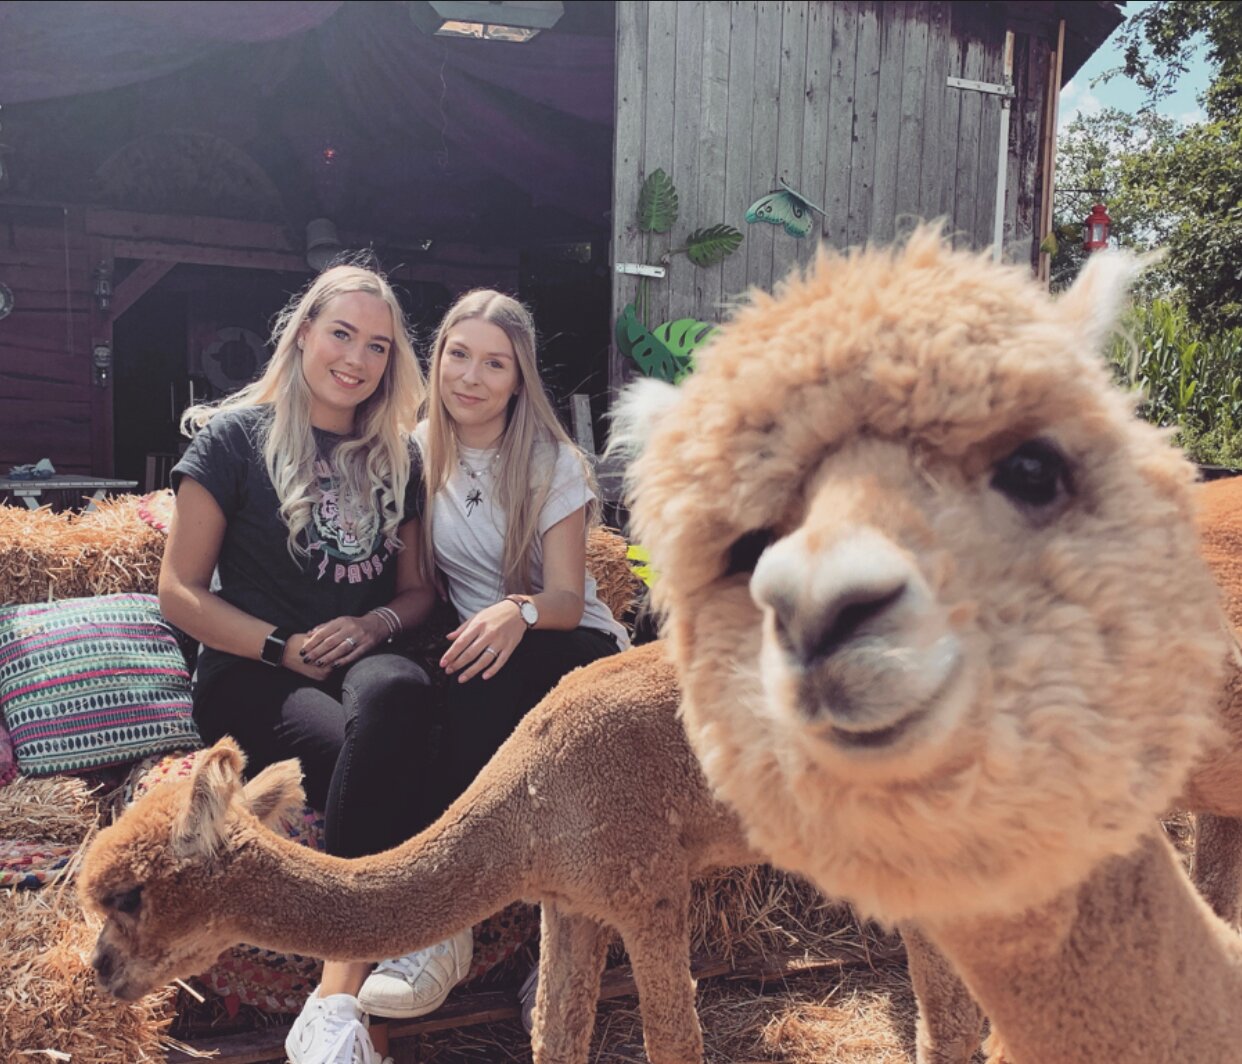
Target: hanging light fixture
<point x="103" y="287"/>
<point x="322" y="243"/>
<point x="1095" y="229"/>
<point x="516" y="21"/>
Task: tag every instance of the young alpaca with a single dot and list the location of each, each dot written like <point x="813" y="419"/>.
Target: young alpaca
<point x="944" y="637"/>
<point x="595" y="806"/>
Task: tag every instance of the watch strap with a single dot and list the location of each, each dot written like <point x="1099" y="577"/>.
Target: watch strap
<point x="273" y="652"/>
<point x="522" y="601"/>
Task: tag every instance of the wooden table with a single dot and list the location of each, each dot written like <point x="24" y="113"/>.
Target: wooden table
<point x="31" y="491"/>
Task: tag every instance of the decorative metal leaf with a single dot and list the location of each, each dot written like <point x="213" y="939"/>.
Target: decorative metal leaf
<point x="657" y="203"/>
<point x="706" y="247"/>
<point x="651" y="355"/>
<point x="683" y="337"/>
<point x="1049" y="243"/>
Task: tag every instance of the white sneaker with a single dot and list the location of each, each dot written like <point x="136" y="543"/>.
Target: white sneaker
<point x="417" y="983"/>
<point x="331" y="1030"/>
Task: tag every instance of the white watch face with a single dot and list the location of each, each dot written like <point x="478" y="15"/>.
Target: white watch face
<point x="530" y="613"/>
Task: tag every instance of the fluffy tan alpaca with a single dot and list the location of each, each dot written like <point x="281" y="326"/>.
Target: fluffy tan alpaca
<point x="595" y="806"/>
<point x="945" y="639"/>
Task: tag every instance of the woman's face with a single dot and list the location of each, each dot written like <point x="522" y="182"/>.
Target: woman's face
<point x="478" y="376"/>
<point x="345" y="351"/>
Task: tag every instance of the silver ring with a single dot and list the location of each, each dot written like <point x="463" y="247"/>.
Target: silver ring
<point x="350" y="640"/>
<point x="493" y="650"/>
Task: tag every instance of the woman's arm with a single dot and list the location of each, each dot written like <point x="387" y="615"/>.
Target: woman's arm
<point x="500" y="626"/>
<point x="190" y="558"/>
<point x="328" y="644"/>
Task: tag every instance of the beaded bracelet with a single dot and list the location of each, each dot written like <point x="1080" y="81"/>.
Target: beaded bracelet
<point x="391" y="618"/>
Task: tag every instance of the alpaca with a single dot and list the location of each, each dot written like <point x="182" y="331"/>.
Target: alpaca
<point x="944" y="636"/>
<point x="595" y="806"/>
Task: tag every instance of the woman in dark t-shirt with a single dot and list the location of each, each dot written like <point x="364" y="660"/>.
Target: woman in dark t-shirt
<point x="302" y="495"/>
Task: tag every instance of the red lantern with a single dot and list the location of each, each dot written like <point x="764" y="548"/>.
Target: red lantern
<point x="1095" y="229"/>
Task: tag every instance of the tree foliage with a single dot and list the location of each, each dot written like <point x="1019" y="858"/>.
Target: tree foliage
<point x="1168" y="184"/>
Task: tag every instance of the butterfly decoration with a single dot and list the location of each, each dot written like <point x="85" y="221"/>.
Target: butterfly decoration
<point x="784" y="206"/>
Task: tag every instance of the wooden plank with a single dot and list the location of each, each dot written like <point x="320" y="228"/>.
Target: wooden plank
<point x="950" y="127"/>
<point x="52" y="389"/>
<point x="989" y="136"/>
<point x="893" y="18"/>
<point x="211" y="255"/>
<point x="682" y="281"/>
<point x="786" y="249"/>
<point x="936" y="129"/>
<point x="627" y="169"/>
<point x="817" y="97"/>
<point x="1049" y="158"/>
<point x="840" y="146"/>
<point x="966" y="173"/>
<point x="739" y="191"/>
<point x="1022" y="200"/>
<point x="146" y="276"/>
<point x="910" y="136"/>
<point x="658" y="135"/>
<point x="866" y="105"/>
<point x="764" y="137"/>
<point x="713" y="152"/>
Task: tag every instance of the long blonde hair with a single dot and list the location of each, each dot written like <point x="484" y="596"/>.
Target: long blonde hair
<point x="528" y="446"/>
<point x="374" y="465"/>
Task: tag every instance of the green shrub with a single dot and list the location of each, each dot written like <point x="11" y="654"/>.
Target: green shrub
<point x="1191" y="379"/>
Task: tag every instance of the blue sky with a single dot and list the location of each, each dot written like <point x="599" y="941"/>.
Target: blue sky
<point x="1081" y="97"/>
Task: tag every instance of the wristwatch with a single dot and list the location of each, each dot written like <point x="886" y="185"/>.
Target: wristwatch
<point x="528" y="610"/>
<point x="274" y="646"/>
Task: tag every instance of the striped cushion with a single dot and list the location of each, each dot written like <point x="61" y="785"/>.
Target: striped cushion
<point x="91" y="682"/>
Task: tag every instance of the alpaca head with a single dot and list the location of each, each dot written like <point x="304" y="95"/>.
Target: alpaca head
<point x="932" y="589"/>
<point x="160" y="876"/>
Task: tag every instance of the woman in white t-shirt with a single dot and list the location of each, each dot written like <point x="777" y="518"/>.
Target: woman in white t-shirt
<point x="510" y="501"/>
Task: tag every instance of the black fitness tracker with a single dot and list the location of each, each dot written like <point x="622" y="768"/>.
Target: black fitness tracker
<point x="274" y="646"/>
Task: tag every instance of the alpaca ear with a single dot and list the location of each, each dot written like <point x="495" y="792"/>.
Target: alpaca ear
<point x="1095" y="300"/>
<point x="276" y="793"/>
<point x="199" y="829"/>
<point x="639" y="408"/>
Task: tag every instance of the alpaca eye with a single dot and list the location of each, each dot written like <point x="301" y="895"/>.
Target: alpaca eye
<point x="746" y="551"/>
<point x="126" y="902"/>
<point x="1036" y="475"/>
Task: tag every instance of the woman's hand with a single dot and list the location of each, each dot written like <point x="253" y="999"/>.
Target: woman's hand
<point x="294" y="661"/>
<point x="340" y="642"/>
<point x="485" y="642"/>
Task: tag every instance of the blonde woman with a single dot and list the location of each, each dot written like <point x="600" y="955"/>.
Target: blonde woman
<point x="300" y="490"/>
<point x="510" y="501"/>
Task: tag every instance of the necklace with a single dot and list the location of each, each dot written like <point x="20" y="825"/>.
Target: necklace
<point x="475" y="474"/>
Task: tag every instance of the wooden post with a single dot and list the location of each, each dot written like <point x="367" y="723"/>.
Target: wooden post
<point x="1048" y="186"/>
<point x="99" y="254"/>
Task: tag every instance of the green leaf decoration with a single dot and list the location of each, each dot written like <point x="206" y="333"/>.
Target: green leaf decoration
<point x="706" y="247"/>
<point x="649" y="354"/>
<point x="683" y="337"/>
<point x="1048" y="245"/>
<point x="640" y="561"/>
<point x="657" y="203"/>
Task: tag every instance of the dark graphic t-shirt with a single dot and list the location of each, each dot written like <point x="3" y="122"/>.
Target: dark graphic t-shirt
<point x="348" y="569"/>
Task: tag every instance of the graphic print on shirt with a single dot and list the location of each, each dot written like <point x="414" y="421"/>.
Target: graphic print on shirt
<point x="473" y="497"/>
<point x="351" y="544"/>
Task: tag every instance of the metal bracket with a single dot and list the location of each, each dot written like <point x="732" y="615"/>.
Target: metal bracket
<point x="982" y="86"/>
<point x="638" y="269"/>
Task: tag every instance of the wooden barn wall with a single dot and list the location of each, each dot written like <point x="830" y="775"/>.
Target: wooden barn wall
<point x="845" y="101"/>
<point x="49" y="405"/>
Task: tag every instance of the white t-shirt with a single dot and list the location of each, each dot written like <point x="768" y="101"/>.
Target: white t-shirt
<point x="468" y="528"/>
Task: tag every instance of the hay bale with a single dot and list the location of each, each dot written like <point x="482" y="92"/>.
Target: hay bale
<point x="618" y="588"/>
<point x="48" y="997"/>
<point x="55" y="808"/>
<point x="46" y="555"/>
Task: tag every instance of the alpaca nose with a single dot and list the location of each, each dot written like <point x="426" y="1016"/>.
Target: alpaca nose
<point x="103" y="964"/>
<point x="822" y="602"/>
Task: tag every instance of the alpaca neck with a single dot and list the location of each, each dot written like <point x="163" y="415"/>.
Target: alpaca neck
<point x="465" y="867"/>
<point x="1131" y="965"/>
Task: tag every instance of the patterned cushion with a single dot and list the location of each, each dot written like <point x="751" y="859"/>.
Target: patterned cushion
<point x="91" y="682"/>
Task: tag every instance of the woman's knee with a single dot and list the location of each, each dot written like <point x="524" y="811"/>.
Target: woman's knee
<point x="387" y="683"/>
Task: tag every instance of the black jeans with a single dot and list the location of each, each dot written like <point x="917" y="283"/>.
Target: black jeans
<point x="479" y="715"/>
<point x="364" y="738"/>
